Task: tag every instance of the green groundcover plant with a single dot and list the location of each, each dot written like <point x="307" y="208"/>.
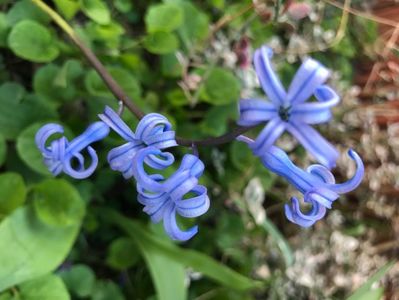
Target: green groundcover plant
<point x="185" y="100"/>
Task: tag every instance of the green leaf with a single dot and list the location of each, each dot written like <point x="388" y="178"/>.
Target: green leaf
<point x="18" y="110"/>
<point x="122" y="254"/>
<point x="161" y="42"/>
<point x="55" y="210"/>
<point x="68" y="8"/>
<point x="25" y="9"/>
<point x="281" y="242"/>
<point x="364" y="291"/>
<point x="220" y="87"/>
<point x="48" y="287"/>
<point x="56" y="84"/>
<point x="163" y="17"/>
<point x="30" y="248"/>
<point x="106" y="290"/>
<point x="79" y="279"/>
<point x="96" y="87"/>
<point x="12" y="193"/>
<point x="198" y="261"/>
<point x="32" y="41"/>
<point x="161" y="267"/>
<point x="28" y="151"/>
<point x="97" y="10"/>
<point x="195" y="27"/>
<point x="3" y="149"/>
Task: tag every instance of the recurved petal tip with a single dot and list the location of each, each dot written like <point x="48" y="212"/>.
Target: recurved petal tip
<point x="357" y="178"/>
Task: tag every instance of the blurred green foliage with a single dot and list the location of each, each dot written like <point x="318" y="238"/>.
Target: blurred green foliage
<point x="62" y="238"/>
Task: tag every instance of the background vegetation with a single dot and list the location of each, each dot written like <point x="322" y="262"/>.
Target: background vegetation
<point x="191" y="61"/>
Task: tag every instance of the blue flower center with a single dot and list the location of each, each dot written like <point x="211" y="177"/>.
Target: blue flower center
<point x="284" y="113"/>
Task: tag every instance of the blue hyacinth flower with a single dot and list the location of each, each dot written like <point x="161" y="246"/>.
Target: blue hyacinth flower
<point x="288" y="110"/>
<point x="153" y="130"/>
<point x="317" y="183"/>
<point x="179" y="194"/>
<point x="59" y="154"/>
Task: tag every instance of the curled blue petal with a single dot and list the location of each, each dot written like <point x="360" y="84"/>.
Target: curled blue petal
<point x="269" y="81"/>
<point x="59" y="154"/>
<point x="196" y="206"/>
<point x="153" y="130"/>
<point x="310" y="75"/>
<point x="114" y="121"/>
<point x="43" y="135"/>
<point x="357" y="178"/>
<point x="322" y="172"/>
<point x="316" y="112"/>
<point x="145" y="180"/>
<point x="295" y="215"/>
<point x="164" y="197"/>
<point x="171" y="227"/>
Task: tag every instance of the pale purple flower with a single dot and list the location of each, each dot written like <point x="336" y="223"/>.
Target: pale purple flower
<point x="164" y="198"/>
<point x="58" y="155"/>
<point x="288" y="110"/>
<point x="317" y="183"/>
<point x="153" y="130"/>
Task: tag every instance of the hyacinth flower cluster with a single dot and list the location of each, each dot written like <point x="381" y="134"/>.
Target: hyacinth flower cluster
<point x="293" y="112"/>
<point x="162" y="198"/>
<point x="181" y="192"/>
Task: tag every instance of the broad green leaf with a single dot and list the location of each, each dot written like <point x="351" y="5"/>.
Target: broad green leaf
<point x="55" y="210"/>
<point x="220" y="87"/>
<point x="12" y="193"/>
<point x="161" y="268"/>
<point x="28" y="151"/>
<point x="96" y="87"/>
<point x="68" y="8"/>
<point x="122" y="254"/>
<point x="25" y="9"/>
<point x="30" y="248"/>
<point x="79" y="279"/>
<point x="56" y="84"/>
<point x="364" y="291"/>
<point x="18" y="110"/>
<point x="32" y="41"/>
<point x="48" y="287"/>
<point x="281" y="242"/>
<point x="106" y="290"/>
<point x="97" y="10"/>
<point x="161" y="42"/>
<point x="163" y="17"/>
<point x="3" y="149"/>
<point x="198" y="261"/>
<point x="195" y="27"/>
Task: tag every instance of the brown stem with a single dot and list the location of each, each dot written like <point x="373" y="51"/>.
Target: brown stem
<point x="114" y="87"/>
<point x="119" y="93"/>
<point x="117" y="90"/>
